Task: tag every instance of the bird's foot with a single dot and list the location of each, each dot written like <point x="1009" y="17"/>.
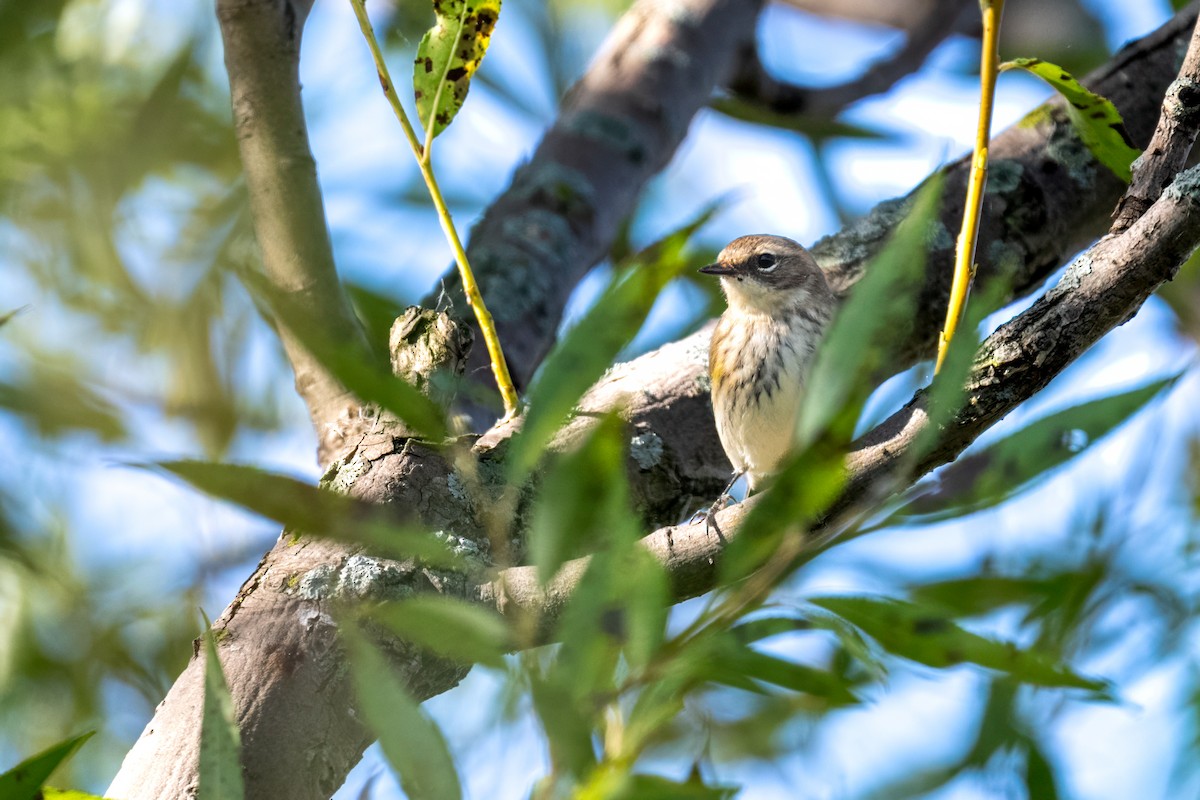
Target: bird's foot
<point x="709" y="515"/>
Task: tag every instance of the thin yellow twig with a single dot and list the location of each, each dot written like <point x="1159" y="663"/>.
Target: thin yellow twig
<point x="968" y="237"/>
<point x="487" y="325"/>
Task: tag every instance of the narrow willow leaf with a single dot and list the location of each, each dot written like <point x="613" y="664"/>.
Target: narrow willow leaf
<point x="450" y="628"/>
<point x="49" y="793"/>
<point x="220" y="769"/>
<point x="998" y="472"/>
<point x="1096" y="119"/>
<point x="447" y="57"/>
<point x="412" y="743"/>
<point x="983" y="594"/>
<point x="568" y="729"/>
<point x="24" y="781"/>
<point x="57" y="403"/>
<point x="744" y="663"/>
<point x="932" y="638"/>
<point x="878" y="314"/>
<point x="303" y="508"/>
<point x="583" y="495"/>
<point x="591" y="346"/>
<point x="7" y="316"/>
<point x="369" y="381"/>
<point x="615" y="782"/>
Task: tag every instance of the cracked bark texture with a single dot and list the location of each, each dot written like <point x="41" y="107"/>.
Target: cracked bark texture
<point x="280" y="647"/>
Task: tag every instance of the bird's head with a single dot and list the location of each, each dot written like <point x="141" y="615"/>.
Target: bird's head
<point x="767" y="274"/>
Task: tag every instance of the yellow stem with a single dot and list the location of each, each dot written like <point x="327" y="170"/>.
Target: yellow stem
<point x="487" y="325"/>
<point x="968" y="237"/>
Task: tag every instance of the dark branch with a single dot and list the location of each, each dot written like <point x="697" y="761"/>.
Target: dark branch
<point x="1172" y="141"/>
<point x="1104" y="287"/>
<point x="753" y="84"/>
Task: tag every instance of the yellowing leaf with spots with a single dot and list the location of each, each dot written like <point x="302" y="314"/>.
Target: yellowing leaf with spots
<point x="449" y="54"/>
<point x="1096" y="119"/>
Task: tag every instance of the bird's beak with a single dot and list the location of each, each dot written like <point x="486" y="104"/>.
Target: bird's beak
<point x="717" y="269"/>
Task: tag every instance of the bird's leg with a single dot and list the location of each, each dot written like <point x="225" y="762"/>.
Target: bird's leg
<point x="721" y="502"/>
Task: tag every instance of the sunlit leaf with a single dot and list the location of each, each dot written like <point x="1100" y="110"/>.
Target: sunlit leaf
<point x="591" y="346"/>
<point x="23" y="781"/>
<point x="49" y="793"/>
<point x="451" y="628"/>
<point x="412" y="743"/>
<point x="998" y="472"/>
<point x="932" y="638"/>
<point x="219" y="776"/>
<point x="304" y="508"/>
<point x="1095" y="119"/>
<point x="614" y="782"/>
<point x="447" y="57"/>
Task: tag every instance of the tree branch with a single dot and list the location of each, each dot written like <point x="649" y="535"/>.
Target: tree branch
<point x="1103" y="288"/>
<point x="752" y="83"/>
<point x="1172" y="141"/>
<point x="262" y="57"/>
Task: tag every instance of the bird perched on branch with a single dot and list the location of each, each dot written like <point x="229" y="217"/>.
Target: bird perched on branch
<point x="762" y="349"/>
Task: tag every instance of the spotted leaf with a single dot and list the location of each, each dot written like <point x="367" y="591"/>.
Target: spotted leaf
<point x="1096" y="119"/>
<point x="449" y="54"/>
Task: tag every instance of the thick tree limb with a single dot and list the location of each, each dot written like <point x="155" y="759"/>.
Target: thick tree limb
<point x="262" y="57"/>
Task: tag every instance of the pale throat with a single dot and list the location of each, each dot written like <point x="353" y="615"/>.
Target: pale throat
<point x="748" y="297"/>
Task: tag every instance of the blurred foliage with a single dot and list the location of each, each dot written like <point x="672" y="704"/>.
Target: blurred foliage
<point x="123" y="224"/>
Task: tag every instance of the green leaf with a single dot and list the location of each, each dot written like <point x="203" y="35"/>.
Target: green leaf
<point x="877" y="315"/>
<point x="371" y="382"/>
<point x="998" y="472"/>
<point x="303" y="508"/>
<point x="56" y="403"/>
<point x="49" y="793"/>
<point x="412" y="743"/>
<point x="220" y="769"/>
<point x="932" y="638"/>
<point x="24" y="781"/>
<point x="615" y="783"/>
<point x="734" y="665"/>
<point x="568" y="729"/>
<point x="983" y="594"/>
<point x="451" y="628"/>
<point x="583" y="496"/>
<point x="7" y="317"/>
<point x="447" y="57"/>
<point x="1095" y="119"/>
<point x="591" y="346"/>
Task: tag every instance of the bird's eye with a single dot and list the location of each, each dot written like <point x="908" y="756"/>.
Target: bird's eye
<point x="766" y="260"/>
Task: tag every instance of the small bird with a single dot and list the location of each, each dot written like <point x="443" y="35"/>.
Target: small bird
<point x="762" y="349"/>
